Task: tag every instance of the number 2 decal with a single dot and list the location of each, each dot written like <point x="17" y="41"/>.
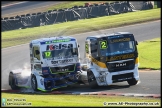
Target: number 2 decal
<point x="103" y="44"/>
<point x="47" y="54"/>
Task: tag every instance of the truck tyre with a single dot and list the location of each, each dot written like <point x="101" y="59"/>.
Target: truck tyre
<point x="34" y="83"/>
<point x="132" y="82"/>
<point x="12" y="82"/>
<point x="92" y="80"/>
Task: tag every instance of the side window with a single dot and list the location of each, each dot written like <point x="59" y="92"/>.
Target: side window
<point x="93" y="48"/>
<point x="130" y="44"/>
<point x="75" y="50"/>
<point x="35" y="51"/>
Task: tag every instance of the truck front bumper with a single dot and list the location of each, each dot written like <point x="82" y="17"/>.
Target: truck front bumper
<point x="50" y="83"/>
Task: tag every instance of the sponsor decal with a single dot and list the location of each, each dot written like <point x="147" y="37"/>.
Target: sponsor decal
<point x="63" y="70"/>
<point x="57" y="41"/>
<point x="121" y="79"/>
<point x="62" y="61"/>
<point x="120" y="57"/>
<point x="121" y="64"/>
<point x="56" y="58"/>
<point x="119" y="40"/>
<point x="59" y="46"/>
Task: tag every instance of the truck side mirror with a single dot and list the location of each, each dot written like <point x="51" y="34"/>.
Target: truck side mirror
<point x="37" y="52"/>
<point x="78" y="45"/>
<point x="136" y="43"/>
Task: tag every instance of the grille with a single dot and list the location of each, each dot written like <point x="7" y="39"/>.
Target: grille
<point x="69" y="68"/>
<point x="122" y="77"/>
<point x="126" y="65"/>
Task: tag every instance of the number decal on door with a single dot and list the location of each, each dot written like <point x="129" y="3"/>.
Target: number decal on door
<point x="103" y="44"/>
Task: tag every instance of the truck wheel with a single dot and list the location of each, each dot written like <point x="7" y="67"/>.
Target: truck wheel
<point x="92" y="80"/>
<point x="34" y="83"/>
<point x="132" y="82"/>
<point x="12" y="82"/>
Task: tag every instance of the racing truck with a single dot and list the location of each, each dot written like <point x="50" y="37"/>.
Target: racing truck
<point x="112" y="58"/>
<point x="54" y="63"/>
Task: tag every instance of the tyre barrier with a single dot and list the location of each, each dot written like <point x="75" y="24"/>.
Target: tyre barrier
<point x="71" y="14"/>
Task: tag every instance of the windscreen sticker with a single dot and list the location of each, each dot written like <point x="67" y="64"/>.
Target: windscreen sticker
<point x="57" y="41"/>
<point x="48" y="54"/>
<point x="103" y="44"/>
<point x="119" y="40"/>
<point x="59" y="46"/>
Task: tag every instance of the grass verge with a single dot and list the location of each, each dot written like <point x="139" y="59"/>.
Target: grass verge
<point x="80" y="100"/>
<point x="17" y="37"/>
<point x="149" y="54"/>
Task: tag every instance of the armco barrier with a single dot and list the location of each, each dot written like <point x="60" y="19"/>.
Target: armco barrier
<point x="64" y="15"/>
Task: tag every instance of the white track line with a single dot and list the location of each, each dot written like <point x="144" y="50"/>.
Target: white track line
<point x="13" y="4"/>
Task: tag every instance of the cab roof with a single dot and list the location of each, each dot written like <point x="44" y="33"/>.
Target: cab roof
<point x="112" y="34"/>
<point x="51" y="39"/>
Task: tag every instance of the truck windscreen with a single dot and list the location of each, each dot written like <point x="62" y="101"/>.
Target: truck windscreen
<point x="66" y="53"/>
<point x="59" y="50"/>
<point x="115" y="45"/>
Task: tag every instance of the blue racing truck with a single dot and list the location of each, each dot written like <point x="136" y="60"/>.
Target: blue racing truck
<point x="54" y="62"/>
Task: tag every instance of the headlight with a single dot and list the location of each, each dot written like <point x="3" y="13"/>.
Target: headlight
<point x="102" y="72"/>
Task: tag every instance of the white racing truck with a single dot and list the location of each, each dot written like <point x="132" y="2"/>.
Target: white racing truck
<point x="54" y="62"/>
<point x="111" y="58"/>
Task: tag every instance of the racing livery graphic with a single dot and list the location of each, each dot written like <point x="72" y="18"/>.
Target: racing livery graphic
<point x="54" y="62"/>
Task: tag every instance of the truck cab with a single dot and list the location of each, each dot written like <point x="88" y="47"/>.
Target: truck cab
<point x="54" y="62"/>
<point x="112" y="58"/>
